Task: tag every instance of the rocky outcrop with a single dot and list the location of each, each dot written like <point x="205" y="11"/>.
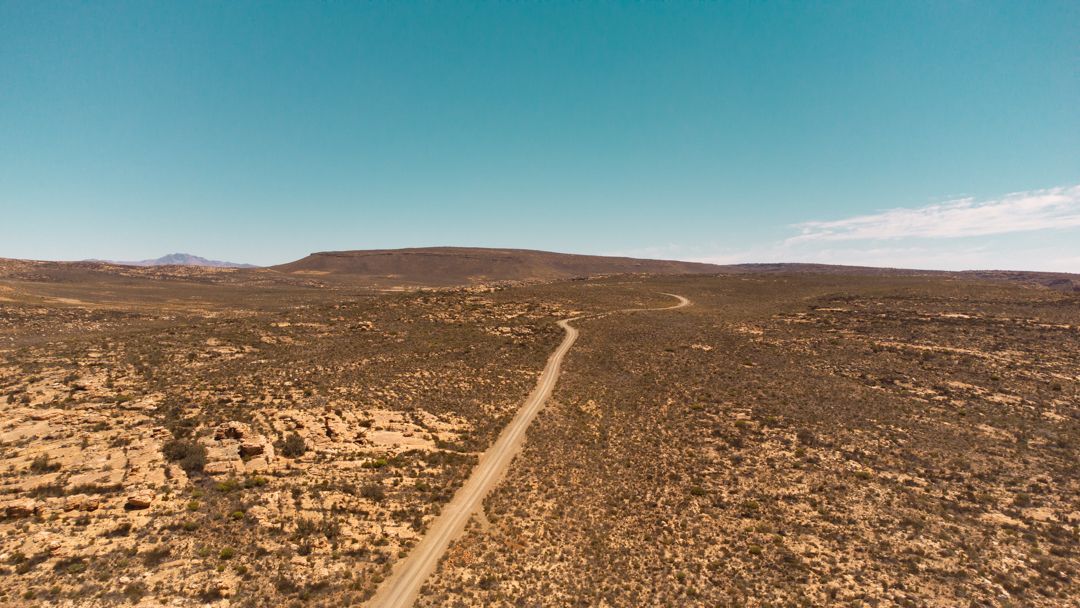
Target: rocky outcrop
<point x="236" y="449"/>
<point x="231" y="430"/>
<point x="21" y="507"/>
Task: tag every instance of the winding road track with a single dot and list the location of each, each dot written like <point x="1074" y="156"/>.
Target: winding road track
<point x="402" y="586"/>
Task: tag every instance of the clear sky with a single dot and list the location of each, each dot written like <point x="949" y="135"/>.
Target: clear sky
<point x="936" y="134"/>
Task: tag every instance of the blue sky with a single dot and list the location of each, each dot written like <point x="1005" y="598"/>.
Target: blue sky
<point x="937" y="135"/>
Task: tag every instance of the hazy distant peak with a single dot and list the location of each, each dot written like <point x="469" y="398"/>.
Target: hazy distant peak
<point x="184" y="259"/>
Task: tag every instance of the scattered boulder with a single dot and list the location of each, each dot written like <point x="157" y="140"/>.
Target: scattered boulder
<point x="252" y="446"/>
<point x="139" y="500"/>
<point x="81" y="502"/>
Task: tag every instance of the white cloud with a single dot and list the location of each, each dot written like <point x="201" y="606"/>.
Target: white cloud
<point x="1052" y="208"/>
<point x="958" y="234"/>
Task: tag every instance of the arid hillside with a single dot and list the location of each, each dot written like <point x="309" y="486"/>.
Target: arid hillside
<point x="469" y="265"/>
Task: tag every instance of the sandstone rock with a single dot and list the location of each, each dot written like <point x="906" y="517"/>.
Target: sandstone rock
<point x="257" y="465"/>
<point x="139" y="500"/>
<point x="231" y="430"/>
<point x="21" y="507"/>
<point x="220" y="467"/>
<point x="223" y="450"/>
<point x="50" y="543"/>
<point x="252" y="446"/>
<point x="81" y="502"/>
<point x="227" y="587"/>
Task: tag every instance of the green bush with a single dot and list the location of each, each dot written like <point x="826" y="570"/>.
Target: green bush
<point x="190" y="455"/>
<point x="293" y="446"/>
<point x="156" y="556"/>
<point x="373" y="491"/>
<point x="70" y="565"/>
<point x="255" y="482"/>
<point x="41" y="464"/>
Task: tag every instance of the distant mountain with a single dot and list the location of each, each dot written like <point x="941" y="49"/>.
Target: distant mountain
<point x="470" y="265"/>
<point x="180" y="259"/>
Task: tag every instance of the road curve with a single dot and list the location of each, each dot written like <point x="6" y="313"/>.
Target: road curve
<point x="400" y="589"/>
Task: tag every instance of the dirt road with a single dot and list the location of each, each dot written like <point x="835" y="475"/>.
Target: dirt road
<point x="402" y="586"/>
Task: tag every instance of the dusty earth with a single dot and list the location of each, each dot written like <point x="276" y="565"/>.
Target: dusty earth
<point x="797" y="441"/>
<point x="172" y="437"/>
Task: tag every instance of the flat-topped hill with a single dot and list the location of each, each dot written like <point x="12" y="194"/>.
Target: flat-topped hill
<point x="464" y="265"/>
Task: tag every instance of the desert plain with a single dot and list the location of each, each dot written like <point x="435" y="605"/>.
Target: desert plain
<point x="796" y="436"/>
